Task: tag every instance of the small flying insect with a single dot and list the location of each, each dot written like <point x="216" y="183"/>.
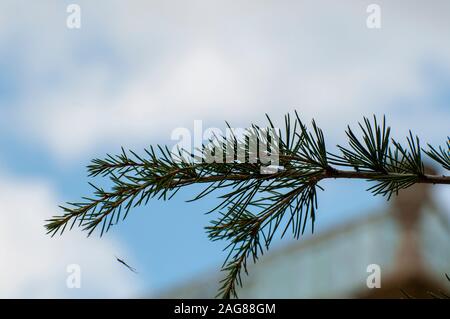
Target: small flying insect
<point x="126" y="265"/>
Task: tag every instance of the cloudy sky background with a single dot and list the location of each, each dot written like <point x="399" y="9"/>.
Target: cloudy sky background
<point x="136" y="70"/>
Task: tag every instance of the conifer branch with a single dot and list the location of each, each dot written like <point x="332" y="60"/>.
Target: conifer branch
<point x="258" y="200"/>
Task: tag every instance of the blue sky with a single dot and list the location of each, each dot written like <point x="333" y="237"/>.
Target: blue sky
<point x="136" y="70"/>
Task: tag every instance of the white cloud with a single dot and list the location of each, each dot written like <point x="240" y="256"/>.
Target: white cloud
<point x="70" y="123"/>
<point x="33" y="265"/>
<point x="217" y="61"/>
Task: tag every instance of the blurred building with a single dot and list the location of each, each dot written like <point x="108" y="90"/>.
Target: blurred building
<point x="409" y="241"/>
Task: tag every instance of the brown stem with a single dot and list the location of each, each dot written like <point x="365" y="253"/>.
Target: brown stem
<point x="426" y="179"/>
<point x="332" y="173"/>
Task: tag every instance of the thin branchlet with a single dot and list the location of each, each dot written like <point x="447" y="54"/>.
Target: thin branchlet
<point x="255" y="205"/>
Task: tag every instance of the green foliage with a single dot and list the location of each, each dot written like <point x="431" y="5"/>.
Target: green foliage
<point x="441" y="155"/>
<point x="371" y="154"/>
<point x="254" y="206"/>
